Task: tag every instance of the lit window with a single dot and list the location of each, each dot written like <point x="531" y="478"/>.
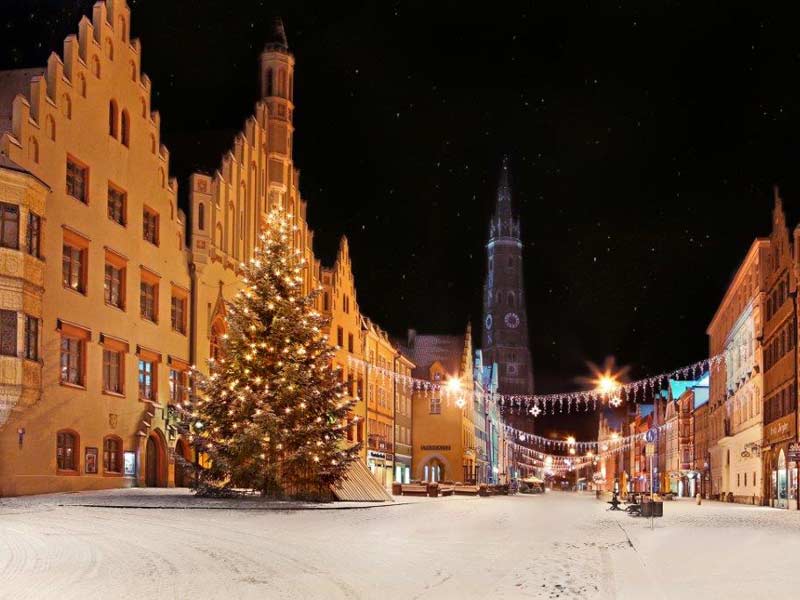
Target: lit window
<point x="112" y="371"/>
<point x="9" y="226"/>
<point x="116" y="205"/>
<point x="150" y="226"/>
<point x="146" y="380"/>
<point x="72" y="360"/>
<point x="77" y="180"/>
<point x="66" y="449"/>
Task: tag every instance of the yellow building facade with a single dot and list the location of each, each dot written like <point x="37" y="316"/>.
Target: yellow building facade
<point x="113" y="271"/>
<point x="443" y="436"/>
<point x="105" y="307"/>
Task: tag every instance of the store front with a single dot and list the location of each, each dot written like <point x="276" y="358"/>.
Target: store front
<point x="782" y="473"/>
<point x="381" y="466"/>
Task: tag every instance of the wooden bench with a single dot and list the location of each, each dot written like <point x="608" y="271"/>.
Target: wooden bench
<point x="446" y="490"/>
<point x="413" y="489"/>
<point x="466" y="490"/>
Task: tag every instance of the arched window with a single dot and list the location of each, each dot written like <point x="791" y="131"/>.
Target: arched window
<point x="96" y="65"/>
<point x="123" y="29"/>
<point x="152" y="143"/>
<point x="50" y="127"/>
<point x="161" y="178"/>
<point x="282" y="82"/>
<point x="112" y="454"/>
<point x="218" y="237"/>
<point x="144" y="108"/>
<point x="201" y="216"/>
<point x="109" y="49"/>
<point x="133" y="70"/>
<point x="66" y="106"/>
<point x="33" y="149"/>
<point x="113" y="119"/>
<point x="511" y="299"/>
<point x="82" y="85"/>
<point x="126" y="128"/>
<point x="67" y="448"/>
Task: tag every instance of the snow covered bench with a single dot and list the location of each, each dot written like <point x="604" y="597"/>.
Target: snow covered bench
<point x="466" y="490"/>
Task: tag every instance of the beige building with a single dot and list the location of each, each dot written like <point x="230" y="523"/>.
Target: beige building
<point x="444" y="445"/>
<point x="103" y="299"/>
<point x="105" y="308"/>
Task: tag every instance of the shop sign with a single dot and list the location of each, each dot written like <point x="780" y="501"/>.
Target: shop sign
<point x="794" y="452"/>
<point x="373" y="454"/>
<point x="779" y="430"/>
<point x="435" y="447"/>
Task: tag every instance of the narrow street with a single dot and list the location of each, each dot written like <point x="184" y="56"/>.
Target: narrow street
<point x="561" y="545"/>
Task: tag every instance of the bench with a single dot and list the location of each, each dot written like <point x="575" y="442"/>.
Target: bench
<point x="412" y="489"/>
<point x="466" y="490"/>
<point x="446" y="490"/>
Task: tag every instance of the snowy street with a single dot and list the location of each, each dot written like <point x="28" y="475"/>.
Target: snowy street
<point x="561" y="545"/>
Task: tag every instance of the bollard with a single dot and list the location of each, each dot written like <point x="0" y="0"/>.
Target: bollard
<point x="699" y="499"/>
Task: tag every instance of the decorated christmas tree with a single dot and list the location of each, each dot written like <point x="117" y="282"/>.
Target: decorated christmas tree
<point x="271" y="414"/>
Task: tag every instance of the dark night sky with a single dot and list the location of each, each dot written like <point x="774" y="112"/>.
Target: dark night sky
<point x="644" y="138"/>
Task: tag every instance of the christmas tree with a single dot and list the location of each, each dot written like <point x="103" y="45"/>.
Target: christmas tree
<point x="272" y="413"/>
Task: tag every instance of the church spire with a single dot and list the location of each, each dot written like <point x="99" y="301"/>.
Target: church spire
<point x="504" y="190"/>
<point x="277" y="38"/>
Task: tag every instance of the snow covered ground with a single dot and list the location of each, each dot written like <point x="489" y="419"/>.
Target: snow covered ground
<point x="561" y="545"/>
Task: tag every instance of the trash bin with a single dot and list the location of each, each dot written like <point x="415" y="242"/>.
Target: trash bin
<point x="647" y="509"/>
<point x="658" y="509"/>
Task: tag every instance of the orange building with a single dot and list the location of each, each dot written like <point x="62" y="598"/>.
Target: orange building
<point x="102" y="276"/>
<point x="444" y="445"/>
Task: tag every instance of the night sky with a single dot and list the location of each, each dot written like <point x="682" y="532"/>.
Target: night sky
<point x="644" y="140"/>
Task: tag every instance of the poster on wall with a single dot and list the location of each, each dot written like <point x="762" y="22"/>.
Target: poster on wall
<point x="90" y="460"/>
<point x="129" y="464"/>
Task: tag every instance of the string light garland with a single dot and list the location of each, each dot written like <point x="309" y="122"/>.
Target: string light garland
<point x="537" y="404"/>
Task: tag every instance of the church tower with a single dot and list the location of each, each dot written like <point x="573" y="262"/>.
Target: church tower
<point x="505" y="319"/>
<point x="277" y="91"/>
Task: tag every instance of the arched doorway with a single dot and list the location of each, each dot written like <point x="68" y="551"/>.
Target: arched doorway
<point x="181" y="476"/>
<point x="781" y="482"/>
<point x="154" y="471"/>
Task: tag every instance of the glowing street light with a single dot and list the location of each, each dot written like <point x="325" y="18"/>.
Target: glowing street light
<point x="453" y="385"/>
<point x="606" y="384"/>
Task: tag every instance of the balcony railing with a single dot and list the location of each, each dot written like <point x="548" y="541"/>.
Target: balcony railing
<point x="379" y="443"/>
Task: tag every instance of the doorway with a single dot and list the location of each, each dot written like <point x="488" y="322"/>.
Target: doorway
<point x="151" y="463"/>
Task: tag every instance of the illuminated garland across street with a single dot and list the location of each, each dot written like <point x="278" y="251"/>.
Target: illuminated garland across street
<point x="595" y="446"/>
<point x="536" y="404"/>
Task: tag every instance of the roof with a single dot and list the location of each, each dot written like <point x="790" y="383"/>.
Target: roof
<point x="12" y="83"/>
<point x="7" y="163"/>
<point x="277" y="38"/>
<point x="424" y="350"/>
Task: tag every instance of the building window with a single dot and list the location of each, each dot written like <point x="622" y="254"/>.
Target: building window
<point x="9" y="226"/>
<point x="340" y="337"/>
<point x="178" y="313"/>
<point x="112" y="455"/>
<point x="146" y="380"/>
<point x="201" y="216"/>
<point x="31" y="338"/>
<point x="8" y="333"/>
<point x="73" y="263"/>
<point x="66" y="451"/>
<point x="436" y="406"/>
<point x="115" y="286"/>
<point x="149" y="295"/>
<point x="349" y="342"/>
<point x="117" y="199"/>
<point x="72" y="350"/>
<point x="112" y="371"/>
<point x="178" y="386"/>
<point x="33" y="236"/>
<point x="77" y="181"/>
<point x="150" y="226"/>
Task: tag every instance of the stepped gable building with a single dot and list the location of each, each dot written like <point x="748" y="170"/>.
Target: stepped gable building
<point x="95" y="317"/>
<point x="505" y="319"/>
<point x="779" y="343"/>
<point x="104" y="306"/>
